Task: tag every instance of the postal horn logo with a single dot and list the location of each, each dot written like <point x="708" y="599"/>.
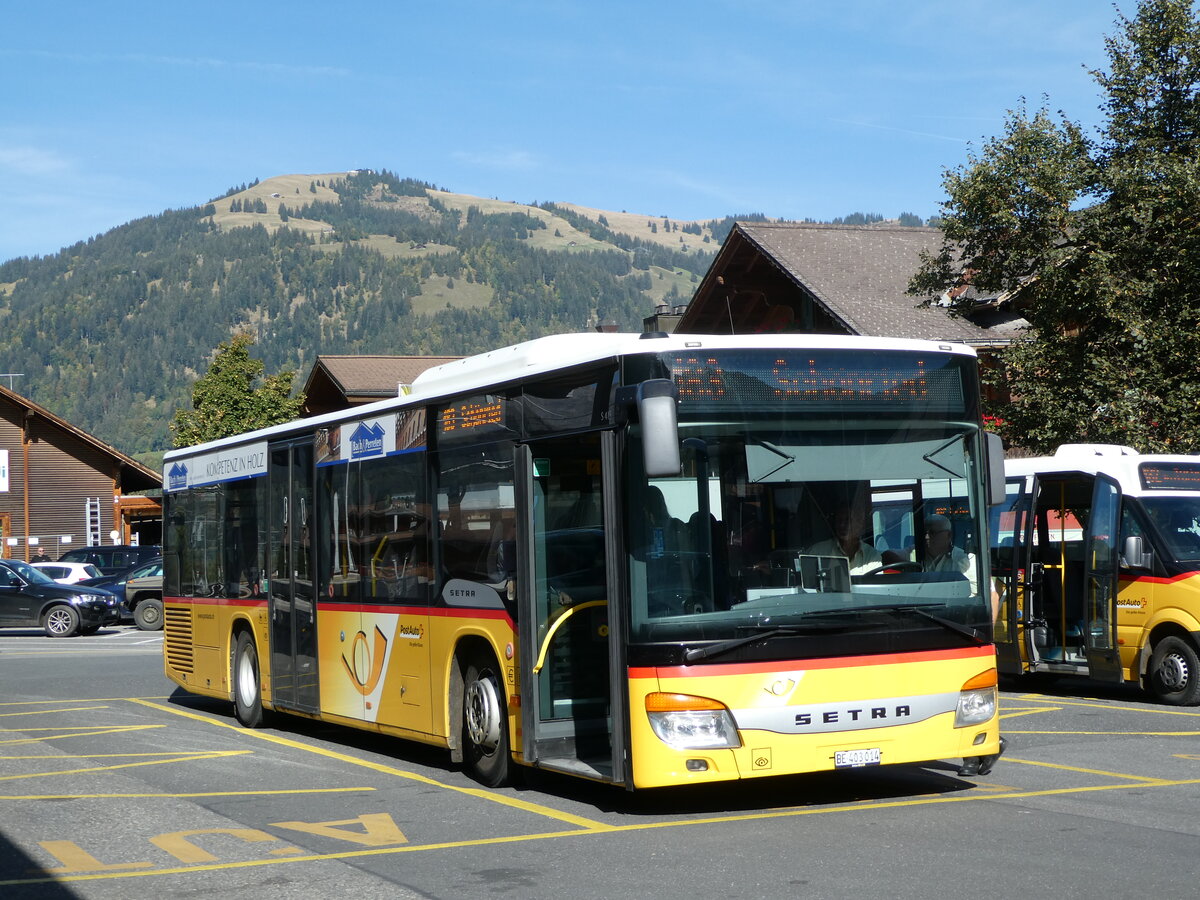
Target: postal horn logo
<point x="366" y="440"/>
<point x="366" y="663"/>
<point x="177" y="477"/>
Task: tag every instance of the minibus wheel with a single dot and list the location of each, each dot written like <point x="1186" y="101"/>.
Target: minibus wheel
<point x="1175" y="672"/>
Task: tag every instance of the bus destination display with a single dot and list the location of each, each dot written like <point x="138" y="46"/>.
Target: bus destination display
<point x="818" y="378"/>
<point x="1164" y="476"/>
<point x="471" y="414"/>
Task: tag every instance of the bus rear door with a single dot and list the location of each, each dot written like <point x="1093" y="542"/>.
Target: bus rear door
<point x="292" y="603"/>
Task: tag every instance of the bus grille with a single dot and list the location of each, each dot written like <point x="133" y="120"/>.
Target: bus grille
<point x="177" y="634"/>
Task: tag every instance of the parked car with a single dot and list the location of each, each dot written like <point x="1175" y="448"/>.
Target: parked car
<point x="143" y="598"/>
<point x="28" y="597"/>
<point x="115" y="584"/>
<point x="112" y="558"/>
<point x="68" y="572"/>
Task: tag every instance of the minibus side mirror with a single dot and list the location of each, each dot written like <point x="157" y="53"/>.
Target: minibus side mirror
<point x="1134" y="553"/>
<point x="994" y="452"/>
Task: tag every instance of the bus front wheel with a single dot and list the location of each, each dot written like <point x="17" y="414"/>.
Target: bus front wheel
<point x="484" y="725"/>
<point x="247" y="694"/>
<point x="1175" y="672"/>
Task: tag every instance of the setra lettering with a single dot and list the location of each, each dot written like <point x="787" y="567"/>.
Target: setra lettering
<point x="855" y="714"/>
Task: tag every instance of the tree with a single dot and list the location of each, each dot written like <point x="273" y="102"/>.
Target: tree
<point x="1097" y="238"/>
<point x="229" y="399"/>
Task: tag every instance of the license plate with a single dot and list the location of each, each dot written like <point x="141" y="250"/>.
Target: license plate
<point x="850" y="759"/>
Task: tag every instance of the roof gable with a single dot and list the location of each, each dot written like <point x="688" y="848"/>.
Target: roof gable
<point x="822" y="278"/>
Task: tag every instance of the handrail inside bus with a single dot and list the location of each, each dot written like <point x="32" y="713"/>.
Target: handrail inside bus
<point x="541" y="660"/>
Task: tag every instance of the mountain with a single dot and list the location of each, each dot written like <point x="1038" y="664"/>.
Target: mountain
<point x="110" y="333"/>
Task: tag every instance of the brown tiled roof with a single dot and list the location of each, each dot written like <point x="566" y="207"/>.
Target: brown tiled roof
<point x="360" y="375"/>
<point x="337" y="382"/>
<point x="856" y="275"/>
<point x="861" y="273"/>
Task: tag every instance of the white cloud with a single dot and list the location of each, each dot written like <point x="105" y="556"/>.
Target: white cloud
<point x="521" y="160"/>
<point x="31" y="162"/>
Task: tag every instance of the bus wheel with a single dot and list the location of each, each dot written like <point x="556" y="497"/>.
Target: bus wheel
<point x="484" y="729"/>
<point x="1175" y="672"/>
<point x="247" y="695"/>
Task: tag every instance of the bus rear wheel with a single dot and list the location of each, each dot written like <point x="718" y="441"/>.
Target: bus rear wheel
<point x="1175" y="672"/>
<point x="247" y="692"/>
<point x="484" y="725"/>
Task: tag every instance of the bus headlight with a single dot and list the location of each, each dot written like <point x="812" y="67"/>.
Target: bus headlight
<point x="977" y="701"/>
<point x="691" y="723"/>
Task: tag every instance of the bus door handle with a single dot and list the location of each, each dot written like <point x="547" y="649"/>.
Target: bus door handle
<point x="1035" y="576"/>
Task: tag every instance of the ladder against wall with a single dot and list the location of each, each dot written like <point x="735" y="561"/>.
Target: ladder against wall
<point x="93" y="522"/>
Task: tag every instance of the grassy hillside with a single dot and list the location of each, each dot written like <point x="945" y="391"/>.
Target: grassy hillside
<point x="111" y="332"/>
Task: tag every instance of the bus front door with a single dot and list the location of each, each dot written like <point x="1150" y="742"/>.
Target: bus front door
<point x="1100" y="581"/>
<point x="1072" y="560"/>
<point x="292" y="604"/>
<point x="571" y="704"/>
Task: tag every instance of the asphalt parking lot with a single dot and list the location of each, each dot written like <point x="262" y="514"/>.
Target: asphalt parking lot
<point x="114" y="785"/>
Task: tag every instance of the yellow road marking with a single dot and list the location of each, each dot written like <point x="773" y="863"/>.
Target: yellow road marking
<point x="177" y="844"/>
<point x="80" y="700"/>
<point x="1046" y="765"/>
<point x="33" y="740"/>
<point x="375" y="830"/>
<point x="1013" y="714"/>
<point x="160" y="796"/>
<point x="503" y="800"/>
<point x="1112" y="733"/>
<point x="187" y="757"/>
<point x="1100" y="704"/>
<point x="585" y="832"/>
<point x="46" y="712"/>
<point x="106" y="755"/>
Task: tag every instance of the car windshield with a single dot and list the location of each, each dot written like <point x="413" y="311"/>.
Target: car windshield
<point x="30" y="573"/>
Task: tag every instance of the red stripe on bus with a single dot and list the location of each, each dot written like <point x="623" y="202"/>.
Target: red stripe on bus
<point x="244" y="602"/>
<point x="1154" y="579"/>
<point x="845" y="662"/>
<point x="444" y="612"/>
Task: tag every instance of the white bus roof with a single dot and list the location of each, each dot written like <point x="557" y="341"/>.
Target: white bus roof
<point x="1121" y="463"/>
<point x="566" y="351"/>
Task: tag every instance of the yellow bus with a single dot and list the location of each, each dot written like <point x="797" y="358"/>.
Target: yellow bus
<point x="608" y="555"/>
<point x="1097" y="552"/>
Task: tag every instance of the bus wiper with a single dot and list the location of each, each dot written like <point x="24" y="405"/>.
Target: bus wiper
<point x="787" y="458"/>
<point x="950" y="625"/>
<point x="695" y="654"/>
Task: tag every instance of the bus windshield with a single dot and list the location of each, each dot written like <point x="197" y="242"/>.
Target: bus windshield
<point x="790" y="519"/>
<point x="1178" y="520"/>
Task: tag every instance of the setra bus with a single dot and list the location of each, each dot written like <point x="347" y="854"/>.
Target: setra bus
<point x="608" y="555"/>
<point x="1096" y="551"/>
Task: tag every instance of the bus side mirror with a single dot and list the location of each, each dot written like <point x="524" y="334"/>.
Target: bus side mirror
<point x="656" y="401"/>
<point x="994" y="452"/>
<point x="1135" y="554"/>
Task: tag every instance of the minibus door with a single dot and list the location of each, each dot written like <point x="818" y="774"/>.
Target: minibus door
<point x="292" y="602"/>
<point x="1008" y="523"/>
<point x="572" y="700"/>
<point x="1101" y="580"/>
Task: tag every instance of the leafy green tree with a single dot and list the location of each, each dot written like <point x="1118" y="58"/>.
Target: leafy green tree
<point x="234" y="397"/>
<point x="1097" y="239"/>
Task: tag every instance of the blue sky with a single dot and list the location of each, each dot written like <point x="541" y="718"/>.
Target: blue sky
<point x="692" y="110"/>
